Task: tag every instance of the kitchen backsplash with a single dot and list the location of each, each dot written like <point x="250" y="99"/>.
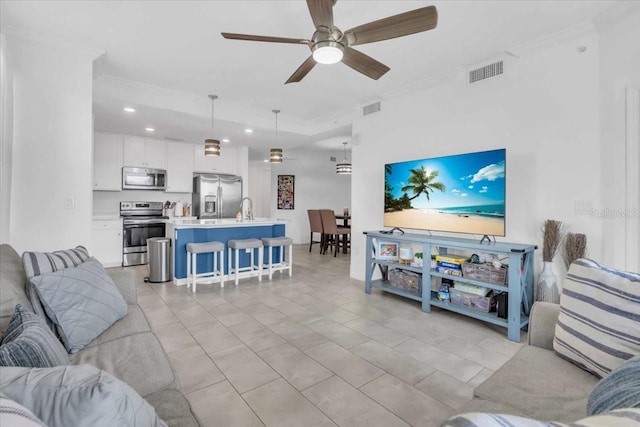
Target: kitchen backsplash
<point x="109" y="201"/>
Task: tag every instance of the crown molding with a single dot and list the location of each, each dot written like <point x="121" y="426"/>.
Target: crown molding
<point x="87" y="52"/>
<point x="574" y="31"/>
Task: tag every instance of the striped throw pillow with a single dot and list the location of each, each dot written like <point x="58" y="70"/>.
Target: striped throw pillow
<point x="598" y="327"/>
<point x="28" y="342"/>
<point x="14" y="414"/>
<point x="628" y="417"/>
<point x="37" y="263"/>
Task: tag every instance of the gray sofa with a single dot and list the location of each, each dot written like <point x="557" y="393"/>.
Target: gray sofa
<point x="128" y="349"/>
<point x="536" y="383"/>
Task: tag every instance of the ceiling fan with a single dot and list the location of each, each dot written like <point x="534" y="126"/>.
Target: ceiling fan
<point x="330" y="45"/>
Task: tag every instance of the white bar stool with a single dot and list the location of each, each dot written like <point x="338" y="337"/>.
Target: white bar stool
<point x="236" y="246"/>
<point x="281" y="242"/>
<point x="193" y="249"/>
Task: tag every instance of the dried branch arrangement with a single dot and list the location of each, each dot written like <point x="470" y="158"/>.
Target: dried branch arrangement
<point x="552" y="236"/>
<point x="575" y="247"/>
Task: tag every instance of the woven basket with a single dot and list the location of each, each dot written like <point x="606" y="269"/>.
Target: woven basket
<point x="485" y="272"/>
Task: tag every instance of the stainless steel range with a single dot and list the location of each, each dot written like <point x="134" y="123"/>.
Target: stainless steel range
<point x="141" y="221"/>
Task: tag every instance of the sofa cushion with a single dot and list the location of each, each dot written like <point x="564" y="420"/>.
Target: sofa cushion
<point x="619" y="389"/>
<point x="560" y="394"/>
<point x="13" y="284"/>
<point x="82" y="301"/>
<point x="619" y="418"/>
<point x="14" y="414"/>
<point x="29" y="342"/>
<point x="598" y="327"/>
<point x="138" y="359"/>
<point x="78" y="396"/>
<point x="36" y="263"/>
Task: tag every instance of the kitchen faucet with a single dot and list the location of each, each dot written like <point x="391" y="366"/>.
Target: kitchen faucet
<point x="249" y="215"/>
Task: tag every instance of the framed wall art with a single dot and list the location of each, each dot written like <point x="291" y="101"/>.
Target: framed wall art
<point x="286" y="187"/>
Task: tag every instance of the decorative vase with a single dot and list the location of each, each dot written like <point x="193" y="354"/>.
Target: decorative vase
<point x="547" y="289"/>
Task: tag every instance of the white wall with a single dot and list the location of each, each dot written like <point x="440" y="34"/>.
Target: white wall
<point x="52" y="145"/>
<point x="620" y="71"/>
<point x="6" y="139"/>
<point x="544" y="111"/>
<point x="260" y="190"/>
<point x="317" y="186"/>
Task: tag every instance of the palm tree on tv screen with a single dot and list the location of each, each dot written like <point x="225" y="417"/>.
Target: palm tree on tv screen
<point x="421" y="182"/>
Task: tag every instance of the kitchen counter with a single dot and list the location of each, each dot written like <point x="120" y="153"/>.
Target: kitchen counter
<point x="218" y="223"/>
<point x="105" y="216"/>
<point x="185" y="231"/>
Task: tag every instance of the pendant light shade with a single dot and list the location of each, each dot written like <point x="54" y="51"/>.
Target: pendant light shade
<point x="344" y="168"/>
<point x="275" y="155"/>
<point x="212" y="146"/>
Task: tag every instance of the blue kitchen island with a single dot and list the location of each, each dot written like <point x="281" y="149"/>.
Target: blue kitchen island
<point x="184" y="231"/>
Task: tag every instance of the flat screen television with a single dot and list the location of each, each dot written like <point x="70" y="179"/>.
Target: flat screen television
<point x="462" y="193"/>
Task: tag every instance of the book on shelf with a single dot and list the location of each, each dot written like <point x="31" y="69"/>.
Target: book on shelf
<point x="449" y="271"/>
<point x="449" y="265"/>
<point x="453" y="259"/>
<point x="471" y="289"/>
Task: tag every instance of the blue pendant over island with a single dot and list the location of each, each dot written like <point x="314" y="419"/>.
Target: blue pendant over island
<point x="184" y="231"/>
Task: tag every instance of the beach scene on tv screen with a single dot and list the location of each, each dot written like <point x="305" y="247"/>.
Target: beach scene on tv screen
<point x="462" y="193"/>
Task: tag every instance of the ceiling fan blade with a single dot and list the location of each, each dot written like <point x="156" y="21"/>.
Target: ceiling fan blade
<point x="321" y="12"/>
<point x="250" y="37"/>
<point x="302" y="70"/>
<point x="414" y="21"/>
<point x="364" y="63"/>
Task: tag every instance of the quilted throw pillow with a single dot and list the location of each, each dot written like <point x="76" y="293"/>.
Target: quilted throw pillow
<point x="82" y="301"/>
<point x="78" y="395"/>
<point x="598" y="327"/>
<point x="29" y="342"/>
<point x="37" y="263"/>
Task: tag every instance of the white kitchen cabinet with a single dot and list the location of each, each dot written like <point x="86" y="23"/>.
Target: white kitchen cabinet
<point x="179" y="167"/>
<point x="107" y="161"/>
<point x="106" y="241"/>
<point x="226" y="163"/>
<point x="144" y="152"/>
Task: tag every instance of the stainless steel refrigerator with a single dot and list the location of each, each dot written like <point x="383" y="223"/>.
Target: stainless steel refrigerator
<point x="216" y="196"/>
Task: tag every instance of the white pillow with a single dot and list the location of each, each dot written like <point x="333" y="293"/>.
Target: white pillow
<point x="80" y="395"/>
<point x="15" y="415"/>
<point x="628" y="417"/>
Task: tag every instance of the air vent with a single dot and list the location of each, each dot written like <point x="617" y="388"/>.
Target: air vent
<point x="168" y="138"/>
<point x="486" y="72"/>
<point x="332" y="158"/>
<point x="371" y="108"/>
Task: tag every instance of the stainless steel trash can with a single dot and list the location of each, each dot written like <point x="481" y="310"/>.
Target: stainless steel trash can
<point x="159" y="262"/>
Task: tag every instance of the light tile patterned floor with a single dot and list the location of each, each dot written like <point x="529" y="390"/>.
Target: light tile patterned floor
<point x="315" y="350"/>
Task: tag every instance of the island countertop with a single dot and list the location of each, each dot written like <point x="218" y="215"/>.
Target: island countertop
<point x="221" y="223"/>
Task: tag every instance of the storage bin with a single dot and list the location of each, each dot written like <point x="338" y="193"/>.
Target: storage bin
<point x="486" y="304"/>
<point x="407" y="280"/>
<point x="485" y="272"/>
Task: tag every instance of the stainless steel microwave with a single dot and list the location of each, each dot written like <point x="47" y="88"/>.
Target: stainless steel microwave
<point x="143" y="178"/>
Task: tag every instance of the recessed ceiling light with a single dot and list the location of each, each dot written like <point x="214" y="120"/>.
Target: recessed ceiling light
<point x="150" y="129"/>
<point x="129" y="109"/>
<point x="266" y="160"/>
<point x="226" y="140"/>
<point x="248" y="130"/>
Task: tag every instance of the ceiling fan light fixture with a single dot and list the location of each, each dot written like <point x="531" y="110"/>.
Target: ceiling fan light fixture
<point x="328" y="52"/>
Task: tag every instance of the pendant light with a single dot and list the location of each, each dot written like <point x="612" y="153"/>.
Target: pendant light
<point x="344" y="168"/>
<point x="212" y="146"/>
<point x="275" y="156"/>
